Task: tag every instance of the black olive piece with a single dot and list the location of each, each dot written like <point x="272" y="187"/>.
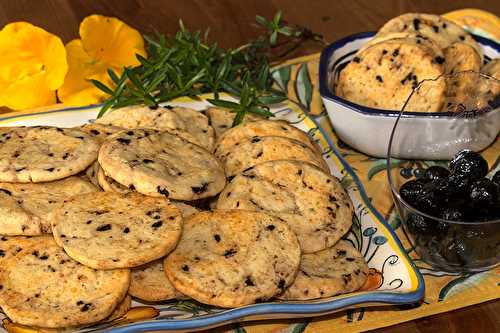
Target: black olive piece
<point x="418" y="224"/>
<point x="454" y="186"/>
<point x="429" y="202"/>
<point x="483" y="193"/>
<point x="453" y="214"/>
<point x="411" y="190"/>
<point x="435" y="172"/>
<point x="470" y="164"/>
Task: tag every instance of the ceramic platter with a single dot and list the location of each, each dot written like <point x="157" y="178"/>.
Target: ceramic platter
<point x="392" y="280"/>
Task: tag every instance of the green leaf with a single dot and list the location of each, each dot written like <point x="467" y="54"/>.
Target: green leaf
<point x="277" y="18"/>
<point x="113" y="76"/>
<point x="261" y="20"/>
<point x="271" y="99"/>
<point x="223" y="104"/>
<point x="261" y="111"/>
<point x="102" y="87"/>
<point x="273" y="39"/>
<point x="462" y="283"/>
<point x="239" y="118"/>
<point x="303" y="86"/>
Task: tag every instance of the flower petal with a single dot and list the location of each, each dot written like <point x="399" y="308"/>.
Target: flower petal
<point x="28" y="93"/>
<point x="109" y="40"/>
<point x="33" y="60"/>
<point x="77" y="89"/>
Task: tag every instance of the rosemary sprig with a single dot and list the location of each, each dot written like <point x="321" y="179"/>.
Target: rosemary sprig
<point x="188" y="64"/>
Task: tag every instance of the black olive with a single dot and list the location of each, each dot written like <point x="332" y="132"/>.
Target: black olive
<point x="435" y="172"/>
<point x="430" y="201"/>
<point x="454" y="186"/>
<point x="470" y="164"/>
<point x="418" y="224"/>
<point x="483" y="193"/>
<point x="411" y="190"/>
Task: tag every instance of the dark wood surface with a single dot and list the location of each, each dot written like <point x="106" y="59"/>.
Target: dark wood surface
<point x="230" y="24"/>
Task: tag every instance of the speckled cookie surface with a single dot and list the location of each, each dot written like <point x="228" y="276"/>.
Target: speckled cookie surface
<point x="233" y="258"/>
<point x="150" y="283"/>
<point x="187" y="123"/>
<point x="384" y="75"/>
<point x="333" y="271"/>
<point x="161" y="164"/>
<point x="255" y="150"/>
<point x="442" y="31"/>
<point x="42" y="286"/>
<point x="222" y="119"/>
<point x="42" y="153"/>
<point x="261" y="128"/>
<point x="25" y="208"/>
<point x="100" y="132"/>
<point x="107" y="230"/>
<point x="311" y="202"/>
<point x="12" y="245"/>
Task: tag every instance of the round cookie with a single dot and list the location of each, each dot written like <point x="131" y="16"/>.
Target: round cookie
<point x="461" y="57"/>
<point x="108" y="184"/>
<point x="233" y="136"/>
<point x="108" y="230"/>
<point x="189" y="124"/>
<point x="100" y="132"/>
<point x="42" y="286"/>
<point x="161" y="164"/>
<point x="222" y="119"/>
<point x="232" y="258"/>
<point x="337" y="270"/>
<point x="384" y="75"/>
<point x="149" y="283"/>
<point x="42" y="153"/>
<point x="311" y="202"/>
<point x="120" y="310"/>
<point x="255" y="150"/>
<point x="435" y="27"/>
<point x="25" y="208"/>
<point x="407" y="35"/>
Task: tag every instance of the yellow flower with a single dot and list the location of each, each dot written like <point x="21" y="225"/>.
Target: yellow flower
<point x="32" y="66"/>
<point x="106" y="42"/>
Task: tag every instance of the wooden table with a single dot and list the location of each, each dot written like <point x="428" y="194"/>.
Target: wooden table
<point x="230" y="24"/>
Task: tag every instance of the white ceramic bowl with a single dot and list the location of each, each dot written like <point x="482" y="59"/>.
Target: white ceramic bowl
<point x="368" y="130"/>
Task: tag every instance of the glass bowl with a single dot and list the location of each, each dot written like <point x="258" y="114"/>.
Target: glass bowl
<point x="467" y="243"/>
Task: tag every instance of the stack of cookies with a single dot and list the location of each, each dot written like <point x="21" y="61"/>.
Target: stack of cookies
<point x="407" y="50"/>
<point x="95" y="215"/>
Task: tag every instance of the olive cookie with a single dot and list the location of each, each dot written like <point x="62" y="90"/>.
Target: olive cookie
<point x="159" y="163"/>
<point x="255" y="150"/>
<point x="25" y="208"/>
<point x="108" y="230"/>
<point x="187" y="123"/>
<point x="312" y="202"/>
<point x="232" y="258"/>
<point x="42" y="286"/>
<point x="337" y="270"/>
<point x="43" y="153"/>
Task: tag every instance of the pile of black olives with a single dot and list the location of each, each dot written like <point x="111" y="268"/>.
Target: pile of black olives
<point x="460" y="193"/>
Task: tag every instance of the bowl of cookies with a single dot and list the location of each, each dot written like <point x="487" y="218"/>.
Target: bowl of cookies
<point x="366" y="80"/>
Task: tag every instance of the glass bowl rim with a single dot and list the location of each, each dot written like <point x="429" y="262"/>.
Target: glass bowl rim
<point x="389" y="157"/>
